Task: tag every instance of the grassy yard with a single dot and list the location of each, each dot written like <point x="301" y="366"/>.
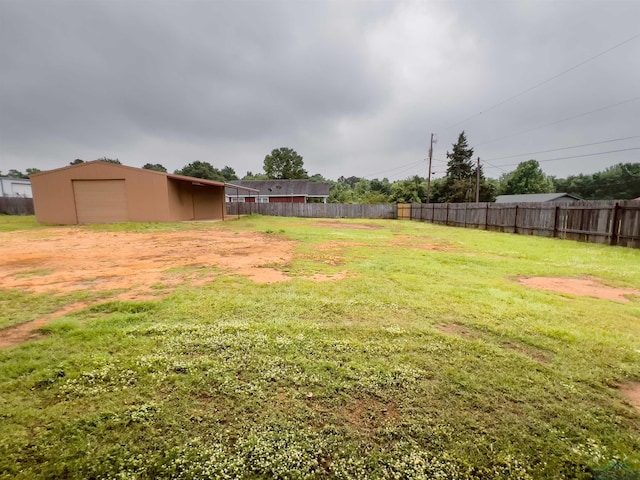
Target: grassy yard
<point x="427" y="360"/>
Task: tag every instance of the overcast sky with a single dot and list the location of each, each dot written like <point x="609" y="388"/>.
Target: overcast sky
<point x="355" y="87"/>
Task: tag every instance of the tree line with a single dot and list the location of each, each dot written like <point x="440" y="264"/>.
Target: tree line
<point x="462" y="182"/>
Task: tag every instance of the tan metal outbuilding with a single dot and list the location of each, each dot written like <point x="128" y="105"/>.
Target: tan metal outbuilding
<point x="104" y="192"/>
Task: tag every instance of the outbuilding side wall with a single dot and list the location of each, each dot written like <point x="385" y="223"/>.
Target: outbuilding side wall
<point x="53" y="200"/>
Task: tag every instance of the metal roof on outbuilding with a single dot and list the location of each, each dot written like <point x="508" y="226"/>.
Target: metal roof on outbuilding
<point x="286" y="187"/>
<point x="537" y="197"/>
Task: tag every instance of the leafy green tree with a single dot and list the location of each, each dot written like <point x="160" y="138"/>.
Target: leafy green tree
<point x="488" y="187"/>
<point x="340" y="193"/>
<point x="374" y="198"/>
<point x="460" y="178"/>
<point x="618" y="182"/>
<point x="316" y="177"/>
<point x="489" y="190"/>
<point x="110" y="160"/>
<point x="200" y="169"/>
<point x="207" y="171"/>
<point x="155" y="167"/>
<point x="350" y="181"/>
<point x="284" y="163"/>
<point x="228" y="173"/>
<point x="255" y="176"/>
<point x="32" y="171"/>
<point x="381" y="186"/>
<point x="437" y="190"/>
<point x="528" y="177"/>
<point x="411" y="190"/>
<point x="362" y="188"/>
<point x="16" y="174"/>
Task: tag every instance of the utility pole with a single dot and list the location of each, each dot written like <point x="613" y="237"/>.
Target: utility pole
<point x="478" y="182"/>
<point x="429" y="173"/>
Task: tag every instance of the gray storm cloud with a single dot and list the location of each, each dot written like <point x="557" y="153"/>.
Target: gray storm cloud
<point x="354" y="87"/>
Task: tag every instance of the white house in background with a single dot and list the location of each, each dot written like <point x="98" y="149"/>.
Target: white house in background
<point x="15" y="187"/>
<point x="538" y="197"/>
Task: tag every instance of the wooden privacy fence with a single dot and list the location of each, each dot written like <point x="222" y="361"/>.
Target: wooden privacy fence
<point x="608" y="222"/>
<point x="314" y="210"/>
<point x="16" y="206"/>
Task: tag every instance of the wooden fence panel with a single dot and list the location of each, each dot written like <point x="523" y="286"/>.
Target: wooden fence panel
<point x="606" y="222"/>
<point x="315" y="210"/>
<point x="16" y="206"/>
<point x="627" y="224"/>
<point x="404" y="211"/>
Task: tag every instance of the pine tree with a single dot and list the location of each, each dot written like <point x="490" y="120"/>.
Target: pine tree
<point x="460" y="179"/>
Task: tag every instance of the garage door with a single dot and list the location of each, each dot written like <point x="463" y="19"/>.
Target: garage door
<point x="100" y="201"/>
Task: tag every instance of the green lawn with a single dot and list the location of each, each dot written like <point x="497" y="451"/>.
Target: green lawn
<point x="427" y="361"/>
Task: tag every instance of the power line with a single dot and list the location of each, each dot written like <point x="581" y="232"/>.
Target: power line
<point x="413" y="164"/>
<point x="564" y="148"/>
<point x="560" y="121"/>
<point x="572" y="156"/>
<point x="398" y="174"/>
<point x="527" y="90"/>
<point x="494" y="166"/>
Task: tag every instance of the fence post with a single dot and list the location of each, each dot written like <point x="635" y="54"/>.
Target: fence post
<point x="446" y="219"/>
<point x="555" y="221"/>
<point x="515" y="221"/>
<point x="464" y="224"/>
<point x="486" y="218"/>
<point x="614" y="225"/>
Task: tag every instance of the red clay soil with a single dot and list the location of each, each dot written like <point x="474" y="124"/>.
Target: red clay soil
<point x="134" y="266"/>
<point x="584" y="287"/>
<point x="63" y="260"/>
<point x="631" y="391"/>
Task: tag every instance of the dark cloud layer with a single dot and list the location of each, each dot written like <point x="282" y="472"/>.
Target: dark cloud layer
<point x="355" y="87"/>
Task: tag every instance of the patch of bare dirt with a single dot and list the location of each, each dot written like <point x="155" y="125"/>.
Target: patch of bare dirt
<point x="29" y="331"/>
<point x="322" y="277"/>
<point x="133" y="266"/>
<point x="424" y="246"/>
<point x="418" y="242"/>
<point x="457" y="329"/>
<point x="357" y="226"/>
<point x="584" y="287"/>
<point x="74" y="259"/>
<point x="371" y="414"/>
<point x="532" y="352"/>
<point x="631" y="391"/>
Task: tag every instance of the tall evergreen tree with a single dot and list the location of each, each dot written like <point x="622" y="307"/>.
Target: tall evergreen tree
<point x="460" y="179"/>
